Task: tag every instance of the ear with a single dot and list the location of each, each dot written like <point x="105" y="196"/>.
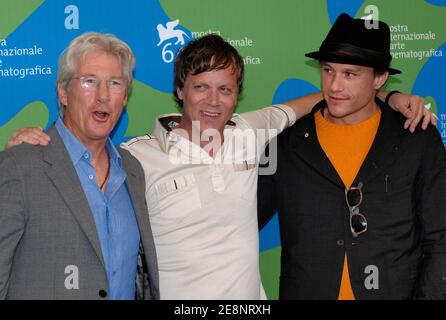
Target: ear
<point x="381" y="79"/>
<point x="62" y="94"/>
<point x="180" y="93"/>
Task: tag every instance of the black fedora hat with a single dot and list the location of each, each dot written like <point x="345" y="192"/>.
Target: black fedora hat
<point x="354" y="41"/>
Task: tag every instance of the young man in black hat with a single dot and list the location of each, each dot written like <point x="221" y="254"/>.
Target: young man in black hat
<point x="367" y="216"/>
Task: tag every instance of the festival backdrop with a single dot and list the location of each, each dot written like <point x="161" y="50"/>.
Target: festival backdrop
<point x="272" y="36"/>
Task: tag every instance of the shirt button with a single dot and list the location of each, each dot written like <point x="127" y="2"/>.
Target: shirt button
<point x="340" y="242"/>
<point x="102" y="293"/>
<point x="90" y="177"/>
<point x="86" y="155"/>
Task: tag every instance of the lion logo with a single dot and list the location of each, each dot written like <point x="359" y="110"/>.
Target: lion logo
<point x="168" y="32"/>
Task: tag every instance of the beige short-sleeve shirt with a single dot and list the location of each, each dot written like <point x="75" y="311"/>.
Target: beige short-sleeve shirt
<point x="203" y="210"/>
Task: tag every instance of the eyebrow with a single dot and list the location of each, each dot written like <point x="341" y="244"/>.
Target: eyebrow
<point x="355" y="70"/>
<point x="349" y="69"/>
<point x="96" y="76"/>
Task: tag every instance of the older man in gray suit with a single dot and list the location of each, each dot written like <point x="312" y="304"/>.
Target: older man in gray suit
<point x="73" y="217"/>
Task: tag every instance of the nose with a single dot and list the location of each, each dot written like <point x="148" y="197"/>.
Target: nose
<point x="336" y="83"/>
<point x="213" y="97"/>
<point x="103" y="92"/>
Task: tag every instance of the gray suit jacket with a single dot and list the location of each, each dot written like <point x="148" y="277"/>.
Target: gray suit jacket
<point x="46" y="227"/>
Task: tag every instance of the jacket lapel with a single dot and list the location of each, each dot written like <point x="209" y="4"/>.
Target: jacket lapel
<point x="65" y="178"/>
<point x="147" y="251"/>
<point x="385" y="148"/>
<point x="306" y="146"/>
<point x="136" y="191"/>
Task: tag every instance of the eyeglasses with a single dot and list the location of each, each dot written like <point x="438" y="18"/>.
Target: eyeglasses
<point x="358" y="222"/>
<point x="92" y="83"/>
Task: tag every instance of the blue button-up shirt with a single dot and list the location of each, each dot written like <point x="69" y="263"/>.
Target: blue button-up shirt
<point x="113" y="214"/>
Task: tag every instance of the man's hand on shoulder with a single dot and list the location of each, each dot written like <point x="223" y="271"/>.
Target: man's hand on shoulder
<point x="413" y="108"/>
<point x="30" y="135"/>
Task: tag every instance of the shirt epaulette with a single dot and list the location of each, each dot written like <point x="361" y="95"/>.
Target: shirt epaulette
<point x="145" y="137"/>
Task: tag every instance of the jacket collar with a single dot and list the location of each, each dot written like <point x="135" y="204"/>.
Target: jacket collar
<point x="383" y="152"/>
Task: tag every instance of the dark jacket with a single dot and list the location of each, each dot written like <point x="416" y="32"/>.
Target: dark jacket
<point x="404" y="194"/>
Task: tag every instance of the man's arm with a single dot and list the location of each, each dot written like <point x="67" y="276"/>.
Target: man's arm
<point x="430" y="194"/>
<point x="303" y="105"/>
<point x="411" y="106"/>
<point x="266" y="199"/>
<point x="12" y="220"/>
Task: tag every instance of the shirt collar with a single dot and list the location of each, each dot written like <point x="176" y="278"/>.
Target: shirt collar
<point x="163" y="133"/>
<point x="77" y="150"/>
<point x="171" y="142"/>
<point x="164" y="125"/>
<point x="115" y="157"/>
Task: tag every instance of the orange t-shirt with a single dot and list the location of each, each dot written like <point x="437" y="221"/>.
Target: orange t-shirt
<point x="346" y="146"/>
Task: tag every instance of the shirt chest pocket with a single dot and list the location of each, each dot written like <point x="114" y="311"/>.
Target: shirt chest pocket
<point x="396" y="185"/>
<point x="392" y="193"/>
<point x="246" y="179"/>
<point x="173" y="203"/>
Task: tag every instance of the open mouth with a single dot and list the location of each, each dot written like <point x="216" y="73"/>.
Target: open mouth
<point x="210" y="114"/>
<point x="100" y="115"/>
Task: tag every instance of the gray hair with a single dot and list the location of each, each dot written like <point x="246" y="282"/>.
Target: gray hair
<point x="93" y="42"/>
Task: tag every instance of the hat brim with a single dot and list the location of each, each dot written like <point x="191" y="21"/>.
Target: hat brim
<point x="360" y="61"/>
